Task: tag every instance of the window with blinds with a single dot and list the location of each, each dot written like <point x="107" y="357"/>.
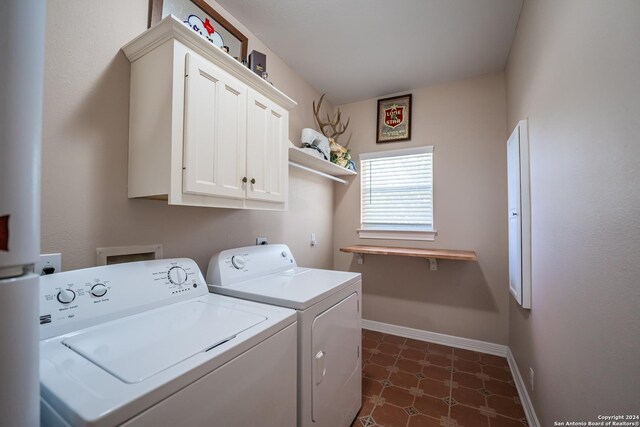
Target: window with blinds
<point x="397" y="190"/>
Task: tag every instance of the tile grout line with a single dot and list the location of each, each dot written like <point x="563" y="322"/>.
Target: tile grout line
<point x="450" y="388"/>
<point x="370" y="397"/>
<point x="382" y="388"/>
<point x="414" y="398"/>
<point x="386" y="379"/>
<point x="395" y="362"/>
<point x="413" y="402"/>
<point x="484" y="387"/>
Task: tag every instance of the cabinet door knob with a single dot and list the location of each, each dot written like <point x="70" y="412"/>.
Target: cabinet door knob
<point x="244" y="179"/>
<point x="253" y="180"/>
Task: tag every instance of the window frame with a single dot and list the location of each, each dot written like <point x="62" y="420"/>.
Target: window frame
<point x="399" y="234"/>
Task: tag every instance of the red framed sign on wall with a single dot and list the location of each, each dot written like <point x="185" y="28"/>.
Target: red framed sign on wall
<point x="394" y="119"/>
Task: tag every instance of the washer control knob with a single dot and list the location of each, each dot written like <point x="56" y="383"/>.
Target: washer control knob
<point x="66" y="296"/>
<point x="98" y="290"/>
<point x="238" y="262"/>
<point x="284" y="254"/>
<point x="177" y="275"/>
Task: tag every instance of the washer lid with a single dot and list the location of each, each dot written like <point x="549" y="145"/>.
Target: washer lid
<point x="140" y="346"/>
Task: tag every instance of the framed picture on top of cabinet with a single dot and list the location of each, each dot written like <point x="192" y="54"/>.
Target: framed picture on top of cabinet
<point x="203" y="19"/>
<point x="394" y="119"/>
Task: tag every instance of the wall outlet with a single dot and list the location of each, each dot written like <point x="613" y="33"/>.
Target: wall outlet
<point x="531" y="378"/>
<point x="313" y="242"/>
<point x="48" y="264"/>
<point x="262" y="241"/>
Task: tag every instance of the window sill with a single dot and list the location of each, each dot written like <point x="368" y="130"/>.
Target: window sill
<point x="429" y="236"/>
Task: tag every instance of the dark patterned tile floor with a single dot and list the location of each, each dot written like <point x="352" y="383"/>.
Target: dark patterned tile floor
<point x="407" y="383"/>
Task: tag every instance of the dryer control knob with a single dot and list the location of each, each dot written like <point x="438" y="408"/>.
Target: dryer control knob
<point x="66" y="296"/>
<point x="238" y="262"/>
<point x="177" y="275"/>
<point x="98" y="290"/>
<point x="284" y="254"/>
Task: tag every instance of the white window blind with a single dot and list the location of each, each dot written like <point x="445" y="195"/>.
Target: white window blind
<point x="397" y="190"/>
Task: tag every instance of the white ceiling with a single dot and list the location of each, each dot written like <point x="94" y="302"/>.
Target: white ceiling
<point x="359" y="49"/>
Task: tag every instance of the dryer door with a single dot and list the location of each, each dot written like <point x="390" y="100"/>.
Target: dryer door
<point x="335" y="338"/>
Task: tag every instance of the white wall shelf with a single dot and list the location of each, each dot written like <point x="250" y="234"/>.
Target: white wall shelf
<point x="300" y="158"/>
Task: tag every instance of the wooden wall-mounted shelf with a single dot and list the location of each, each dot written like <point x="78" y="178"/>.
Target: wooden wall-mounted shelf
<point x="431" y="254"/>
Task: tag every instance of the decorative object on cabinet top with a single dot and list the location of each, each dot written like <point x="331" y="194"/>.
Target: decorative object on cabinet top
<point x="204" y="28"/>
<point x="173" y="28"/>
<point x="340" y="155"/>
<point x="258" y="63"/>
<point x="235" y="41"/>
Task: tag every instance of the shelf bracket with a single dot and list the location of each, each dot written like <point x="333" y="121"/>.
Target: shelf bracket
<point x="359" y="258"/>
<point x="433" y="264"/>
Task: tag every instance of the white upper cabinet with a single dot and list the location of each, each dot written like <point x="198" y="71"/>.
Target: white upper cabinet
<point x="204" y="129"/>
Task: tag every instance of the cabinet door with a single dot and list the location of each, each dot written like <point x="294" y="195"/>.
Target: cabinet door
<point x="215" y="123"/>
<point x="266" y="149"/>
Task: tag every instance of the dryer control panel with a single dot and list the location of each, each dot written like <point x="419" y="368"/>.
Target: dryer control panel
<point x="77" y="299"/>
<point x="237" y="265"/>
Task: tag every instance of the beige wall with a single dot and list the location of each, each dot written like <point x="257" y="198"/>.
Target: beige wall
<point x="84" y="171"/>
<point x="573" y="71"/>
<point x="465" y="122"/>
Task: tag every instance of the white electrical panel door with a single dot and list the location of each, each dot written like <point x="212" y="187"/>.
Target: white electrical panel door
<point x="519" y="215"/>
<point x="215" y="131"/>
<point x="266" y="149"/>
<point x="335" y="336"/>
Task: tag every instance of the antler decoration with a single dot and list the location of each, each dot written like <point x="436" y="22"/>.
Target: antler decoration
<point x="337" y="128"/>
<point x="339" y="155"/>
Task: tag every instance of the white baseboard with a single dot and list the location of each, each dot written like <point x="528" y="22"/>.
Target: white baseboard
<point x="467" y="344"/>
<point x="434" y="337"/>
<point x="532" y="419"/>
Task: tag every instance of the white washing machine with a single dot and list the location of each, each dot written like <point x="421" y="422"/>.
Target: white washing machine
<point x="329" y="324"/>
<point x="146" y="344"/>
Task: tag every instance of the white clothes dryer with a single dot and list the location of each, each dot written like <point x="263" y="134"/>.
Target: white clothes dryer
<point x="146" y="344"/>
<point x="329" y="324"/>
